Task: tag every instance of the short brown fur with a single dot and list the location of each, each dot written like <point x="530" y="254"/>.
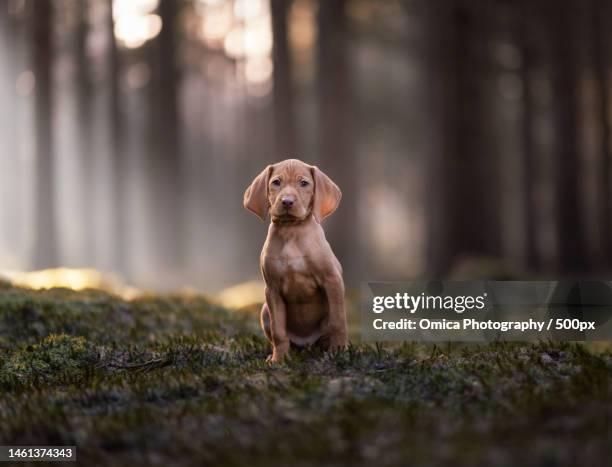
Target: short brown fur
<point x="304" y="285"/>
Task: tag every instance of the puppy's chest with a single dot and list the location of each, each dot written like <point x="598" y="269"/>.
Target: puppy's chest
<point x="286" y="261"/>
<point x="290" y="268"/>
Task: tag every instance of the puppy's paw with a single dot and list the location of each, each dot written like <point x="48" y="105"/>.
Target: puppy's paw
<point x="338" y="343"/>
<point x="277" y="357"/>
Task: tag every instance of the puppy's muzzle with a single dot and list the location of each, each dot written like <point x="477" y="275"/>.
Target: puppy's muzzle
<point x="287" y="203"/>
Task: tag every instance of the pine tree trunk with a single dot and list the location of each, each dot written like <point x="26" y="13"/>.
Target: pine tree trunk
<point x="118" y="151"/>
<point x="568" y="193"/>
<point x="529" y="164"/>
<point x="284" y="114"/>
<point x="84" y="123"/>
<point x="463" y="219"/>
<point x="9" y="207"/>
<point x="601" y="24"/>
<point x="45" y="247"/>
<point x="334" y="133"/>
<point x="165" y="149"/>
<point x="438" y="103"/>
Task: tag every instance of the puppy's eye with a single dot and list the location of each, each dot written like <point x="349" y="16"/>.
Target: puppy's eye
<point x="304" y="183"/>
<point x="276" y="182"/>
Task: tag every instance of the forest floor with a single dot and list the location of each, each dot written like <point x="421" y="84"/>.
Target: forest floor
<point x="179" y="381"/>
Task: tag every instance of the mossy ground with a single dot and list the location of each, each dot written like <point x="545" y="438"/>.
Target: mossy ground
<point x="179" y="381"/>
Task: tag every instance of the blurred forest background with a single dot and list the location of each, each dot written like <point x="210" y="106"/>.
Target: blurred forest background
<point x="460" y="131"/>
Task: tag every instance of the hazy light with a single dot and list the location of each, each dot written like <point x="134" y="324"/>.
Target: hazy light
<point x="216" y="24"/>
<point x="242" y="295"/>
<point x="123" y="8"/>
<point x="258" y="37"/>
<point x="258" y="69"/>
<point x="76" y="279"/>
<point x="255" y="40"/>
<point x="243" y="29"/>
<point x="234" y="43"/>
<point x="133" y="30"/>
<point x="25" y="83"/>
<point x="302" y="31"/>
<point x="211" y="2"/>
<point x="249" y="9"/>
<point x="259" y="90"/>
<point x="135" y="22"/>
<point x="389" y="229"/>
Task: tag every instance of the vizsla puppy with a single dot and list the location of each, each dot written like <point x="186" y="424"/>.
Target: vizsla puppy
<point x="304" y="286"/>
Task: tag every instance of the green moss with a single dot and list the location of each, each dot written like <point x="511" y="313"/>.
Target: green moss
<point x="175" y="380"/>
<point x="57" y="358"/>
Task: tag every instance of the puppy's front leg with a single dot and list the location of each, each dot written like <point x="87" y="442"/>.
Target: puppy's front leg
<point x="278" y="325"/>
<point x="336" y="321"/>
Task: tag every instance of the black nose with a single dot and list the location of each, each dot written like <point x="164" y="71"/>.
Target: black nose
<point x="287" y="202"/>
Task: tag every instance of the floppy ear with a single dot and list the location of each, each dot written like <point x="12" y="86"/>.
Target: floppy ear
<point x="326" y="195"/>
<point x="256" y="195"/>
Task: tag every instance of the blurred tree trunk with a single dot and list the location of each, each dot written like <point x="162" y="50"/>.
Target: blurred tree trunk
<point x="45" y="247"/>
<point x="439" y="96"/>
<point x="284" y="113"/>
<point x="571" y="252"/>
<point x="9" y="204"/>
<point x="476" y="228"/>
<point x="164" y="139"/>
<point x="463" y="219"/>
<point x="7" y="145"/>
<point x="117" y="145"/>
<point x="525" y="35"/>
<point x="84" y="123"/>
<point x="600" y="36"/>
<point x="4" y="27"/>
<point x="335" y="132"/>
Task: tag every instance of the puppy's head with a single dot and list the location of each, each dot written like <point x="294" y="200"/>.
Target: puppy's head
<point x="290" y="191"/>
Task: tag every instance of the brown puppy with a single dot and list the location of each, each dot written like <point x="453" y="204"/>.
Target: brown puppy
<point x="304" y="286"/>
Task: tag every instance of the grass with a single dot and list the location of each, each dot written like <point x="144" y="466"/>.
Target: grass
<point x="180" y="381"/>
